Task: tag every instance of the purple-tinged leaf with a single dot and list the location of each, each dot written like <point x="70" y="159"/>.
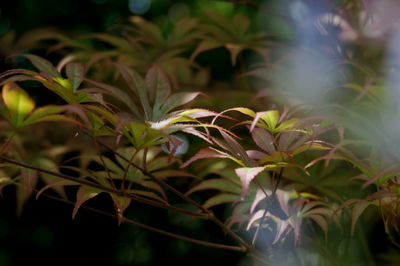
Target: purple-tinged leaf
<point x="158" y="85"/>
<point x="84" y="193"/>
<point x="256" y="155"/>
<point x="281" y="227"/>
<point x="118" y="94"/>
<point x="137" y="85"/>
<point x="237" y="150"/>
<point x="260" y="195"/>
<point x="257" y="215"/>
<point x="43" y="65"/>
<point x="205" y="153"/>
<point x="246" y="175"/>
<point x="263" y="139"/>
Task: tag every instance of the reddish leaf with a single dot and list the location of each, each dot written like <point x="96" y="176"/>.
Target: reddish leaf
<point x="84" y="193"/>
<point x="203" y="154"/>
<point x="246" y="175"/>
<point x="263" y="139"/>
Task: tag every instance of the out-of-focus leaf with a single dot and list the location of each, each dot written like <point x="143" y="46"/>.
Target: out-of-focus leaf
<point x="271" y="118"/>
<point x="220" y="199"/>
<point x="224" y="185"/>
<point x="18" y="103"/>
<point x="178" y="99"/>
<point x="43" y="65"/>
<point x="75" y="73"/>
<point x="311" y="146"/>
<point x="205" y="45"/>
<point x="358" y="209"/>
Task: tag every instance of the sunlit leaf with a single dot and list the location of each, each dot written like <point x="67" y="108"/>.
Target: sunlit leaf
<point x="246" y="175"/>
<point x="18" y="103"/>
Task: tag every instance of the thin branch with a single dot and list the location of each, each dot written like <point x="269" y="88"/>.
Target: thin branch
<point x="150" y="228"/>
<point x="161" y="182"/>
<point x="210" y="215"/>
<point x="105" y="189"/>
<point x="153" y="177"/>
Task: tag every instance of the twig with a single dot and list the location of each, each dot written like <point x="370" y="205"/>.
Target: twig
<point x="105" y="189"/>
<point x="151" y="228"/>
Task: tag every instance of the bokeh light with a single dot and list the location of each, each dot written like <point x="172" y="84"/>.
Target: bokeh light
<point x="139" y="7"/>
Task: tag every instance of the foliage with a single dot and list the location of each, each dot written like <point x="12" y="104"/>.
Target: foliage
<point x="293" y="171"/>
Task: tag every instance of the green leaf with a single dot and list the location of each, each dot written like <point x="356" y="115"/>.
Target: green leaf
<point x="18" y="103"/>
<point x="75" y="73"/>
<point x="358" y="209"/>
<point x="224" y="185"/>
<point x="42" y="112"/>
<point x="220" y="199"/>
<point x="271" y="118"/>
<point x="178" y="99"/>
<point x="310" y="146"/>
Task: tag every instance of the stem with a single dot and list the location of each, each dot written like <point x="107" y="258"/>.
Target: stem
<point x="127" y="168"/>
<point x="106" y="168"/>
<point x="105" y="189"/>
<point x="150" y="228"/>
<point x="154" y="178"/>
<point x="205" y="211"/>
